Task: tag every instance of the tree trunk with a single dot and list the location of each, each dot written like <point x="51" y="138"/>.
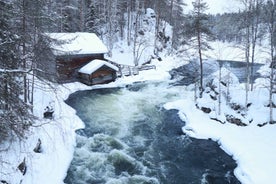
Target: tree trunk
<point x="271" y="96"/>
<point x="201" y="64"/>
<point x="24" y="50"/>
<point x="255" y="32"/>
<point x="247" y="52"/>
<point x="228" y="89"/>
<point x="273" y="65"/>
<point x="122" y="26"/>
<point x="6" y="93"/>
<point x="219" y="100"/>
<point x="195" y="90"/>
<point x="157" y="25"/>
<point x="271" y="11"/>
<point x="171" y="13"/>
<point x="135" y="50"/>
<point x="252" y="67"/>
<point x="82" y="11"/>
<point x="129" y="23"/>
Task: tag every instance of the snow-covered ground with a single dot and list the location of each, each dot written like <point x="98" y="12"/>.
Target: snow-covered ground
<point x="252" y="147"/>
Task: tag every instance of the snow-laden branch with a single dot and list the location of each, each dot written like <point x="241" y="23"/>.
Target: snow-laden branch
<point x="14" y="71"/>
<point x="6" y="42"/>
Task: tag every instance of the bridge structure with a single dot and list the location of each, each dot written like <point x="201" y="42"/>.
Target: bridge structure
<point x="128" y="70"/>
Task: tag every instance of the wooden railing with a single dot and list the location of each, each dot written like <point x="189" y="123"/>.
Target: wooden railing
<point x="127" y="70"/>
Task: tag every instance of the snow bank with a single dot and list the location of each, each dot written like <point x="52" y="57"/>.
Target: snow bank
<point x="57" y="140"/>
<point x="253" y="147"/>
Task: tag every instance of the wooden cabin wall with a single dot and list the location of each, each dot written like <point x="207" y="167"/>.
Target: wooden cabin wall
<point x="102" y="72"/>
<point x="99" y="76"/>
<point x="67" y="67"/>
<point x="102" y="75"/>
<point x="85" y="78"/>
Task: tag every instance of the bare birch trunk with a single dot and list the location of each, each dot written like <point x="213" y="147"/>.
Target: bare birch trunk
<point x="271" y="96"/>
<point x="24" y="50"/>
<point x="129" y="22"/>
<point x="219" y="100"/>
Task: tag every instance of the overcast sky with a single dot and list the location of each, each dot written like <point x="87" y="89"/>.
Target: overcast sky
<point x="218" y="6"/>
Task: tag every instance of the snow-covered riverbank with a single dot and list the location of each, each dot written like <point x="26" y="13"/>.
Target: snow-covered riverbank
<point x="252" y="147"/>
<point x="58" y="135"/>
<point x="57" y="140"/>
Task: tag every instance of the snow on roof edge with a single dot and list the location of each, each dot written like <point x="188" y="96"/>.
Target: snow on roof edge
<point x="76" y="43"/>
<point x="94" y="65"/>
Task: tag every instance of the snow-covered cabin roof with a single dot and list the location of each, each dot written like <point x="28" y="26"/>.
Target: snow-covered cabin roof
<point x="76" y="43"/>
<point x="94" y="65"/>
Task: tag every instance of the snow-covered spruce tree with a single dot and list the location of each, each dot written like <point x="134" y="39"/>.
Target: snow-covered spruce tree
<point x="92" y="20"/>
<point x="29" y="22"/>
<point x="225" y="27"/>
<point x="122" y="7"/>
<point x="15" y="116"/>
<point x="82" y="11"/>
<point x="159" y="15"/>
<point x="198" y="33"/>
<point x="103" y="18"/>
<point x="177" y="18"/>
<point x="70" y="15"/>
<point x="52" y="17"/>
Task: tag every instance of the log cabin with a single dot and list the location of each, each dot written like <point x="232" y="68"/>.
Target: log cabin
<point x="67" y="53"/>
<point x="97" y="72"/>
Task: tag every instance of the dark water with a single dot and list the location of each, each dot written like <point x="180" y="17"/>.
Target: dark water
<point x="187" y="73"/>
<point x="239" y="69"/>
<point x="130" y="139"/>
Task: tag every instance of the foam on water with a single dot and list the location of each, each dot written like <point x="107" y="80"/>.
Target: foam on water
<point x="129" y="138"/>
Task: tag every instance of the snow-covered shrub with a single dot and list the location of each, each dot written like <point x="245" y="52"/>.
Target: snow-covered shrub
<point x="216" y="98"/>
<point x="227" y="78"/>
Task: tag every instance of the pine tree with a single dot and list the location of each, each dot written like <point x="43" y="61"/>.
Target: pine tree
<point x="70" y="16"/>
<point x="176" y="20"/>
<point x="15" y="116"/>
<point x="92" y="19"/>
<point x="199" y="32"/>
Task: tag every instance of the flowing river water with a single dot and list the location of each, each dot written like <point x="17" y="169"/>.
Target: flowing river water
<point x="131" y="139"/>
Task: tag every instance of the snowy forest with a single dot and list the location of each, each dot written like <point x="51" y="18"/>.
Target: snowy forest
<point x="23" y="23"/>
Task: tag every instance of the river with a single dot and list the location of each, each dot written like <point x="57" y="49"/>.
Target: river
<point x="131" y="139"/>
<point x="186" y="73"/>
